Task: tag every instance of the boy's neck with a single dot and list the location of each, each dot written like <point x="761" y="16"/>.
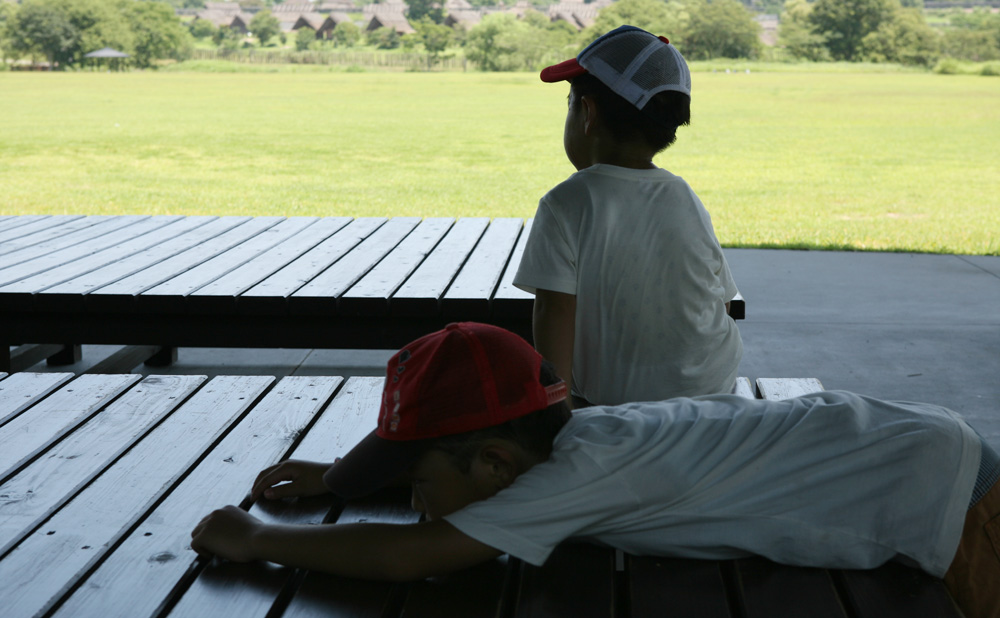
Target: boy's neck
<point x="631" y="155"/>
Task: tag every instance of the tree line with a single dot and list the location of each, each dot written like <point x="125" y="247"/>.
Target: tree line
<point x="62" y="31"/>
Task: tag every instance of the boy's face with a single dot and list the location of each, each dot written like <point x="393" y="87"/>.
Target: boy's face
<point x="440" y="488"/>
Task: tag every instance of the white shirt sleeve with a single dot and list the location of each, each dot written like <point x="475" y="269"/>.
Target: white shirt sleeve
<point x="549" y="261"/>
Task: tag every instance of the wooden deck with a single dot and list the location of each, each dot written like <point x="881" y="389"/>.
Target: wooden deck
<point x="102" y="478"/>
<point x="264" y="282"/>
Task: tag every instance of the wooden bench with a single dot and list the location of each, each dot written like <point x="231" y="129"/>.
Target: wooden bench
<point x="267" y="282"/>
<point x="102" y="478"/>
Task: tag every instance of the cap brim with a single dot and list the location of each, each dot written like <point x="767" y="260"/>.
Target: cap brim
<point x="567" y="69"/>
<point x="371" y="465"/>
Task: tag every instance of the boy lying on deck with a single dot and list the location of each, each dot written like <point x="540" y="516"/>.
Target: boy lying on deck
<point x="475" y="420"/>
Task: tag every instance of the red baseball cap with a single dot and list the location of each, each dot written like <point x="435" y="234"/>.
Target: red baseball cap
<point x="465" y="377"/>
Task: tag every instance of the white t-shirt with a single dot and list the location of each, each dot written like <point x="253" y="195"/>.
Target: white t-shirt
<point x="637" y="249"/>
<point x="831" y="480"/>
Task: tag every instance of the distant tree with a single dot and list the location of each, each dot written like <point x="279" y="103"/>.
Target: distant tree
<point x="384" y="38"/>
<point x="906" y="39"/>
<point x="41" y="30"/>
<point x="227" y="38"/>
<point x="720" y="29"/>
<point x="158" y="33"/>
<point x="264" y="26"/>
<point x="797" y="34"/>
<point x="435" y="37"/>
<point x="491" y="43"/>
<point x="304" y="38"/>
<point x="418" y="9"/>
<point x="847" y="22"/>
<point x="202" y="29"/>
<point x="973" y="36"/>
<point x="660" y="18"/>
<point x="345" y="34"/>
<point x="64" y="30"/>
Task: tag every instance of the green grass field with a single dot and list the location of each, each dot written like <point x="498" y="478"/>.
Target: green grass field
<point x="875" y="161"/>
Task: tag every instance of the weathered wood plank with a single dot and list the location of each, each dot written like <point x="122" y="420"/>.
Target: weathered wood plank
<point x="21" y="390"/>
<point x="13" y="238"/>
<point x="32" y="495"/>
<point x="39" y="258"/>
<point x="11" y="221"/>
<point x="270" y="295"/>
<point x="421" y="293"/>
<point x="221" y="294"/>
<point x="786" y="388"/>
<point x="744" y="388"/>
<point x="120" y="295"/>
<point x="251" y="590"/>
<point x="32" y="431"/>
<point x="143" y="234"/>
<point x="370" y="295"/>
<point x="170" y="295"/>
<point x="771" y="590"/>
<point x="28" y="355"/>
<point x="185" y="234"/>
<point x="677" y="588"/>
<point x="471" y="293"/>
<point x="322" y="595"/>
<point x="511" y="301"/>
<point x="546" y="591"/>
<point x="321" y="294"/>
<point x="50" y="562"/>
<point x="477" y="592"/>
<point x="897" y="591"/>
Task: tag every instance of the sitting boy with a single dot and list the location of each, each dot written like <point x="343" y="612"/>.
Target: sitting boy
<point x="477" y="423"/>
<point x="631" y="286"/>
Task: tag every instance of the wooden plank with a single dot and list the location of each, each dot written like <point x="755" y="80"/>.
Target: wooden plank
<point x="320" y="296"/>
<point x="51" y="562"/>
<point x="421" y="294"/>
<point x="13" y="221"/>
<point x="471" y="293"/>
<point x="897" y="591"/>
<point x="221" y="294"/>
<point x="322" y="595"/>
<point x="370" y="295"/>
<point x="509" y="300"/>
<point x="41" y="230"/>
<point x="43" y="256"/>
<point x="771" y="590"/>
<point x="251" y="590"/>
<point x="33" y="431"/>
<point x="476" y="592"/>
<point x="119" y="296"/>
<point x="28" y="355"/>
<point x="270" y="295"/>
<point x="547" y="591"/>
<point x="35" y="493"/>
<point x="787" y="388"/>
<point x="677" y="588"/>
<point x="188" y="233"/>
<point x="22" y="390"/>
<point x="127" y="358"/>
<point x="169" y="295"/>
<point x="120" y="247"/>
<point x="744" y="388"/>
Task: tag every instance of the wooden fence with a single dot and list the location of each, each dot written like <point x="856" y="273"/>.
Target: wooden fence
<point x="401" y="61"/>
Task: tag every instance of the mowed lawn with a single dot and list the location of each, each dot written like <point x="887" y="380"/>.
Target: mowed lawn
<point x="876" y="161"/>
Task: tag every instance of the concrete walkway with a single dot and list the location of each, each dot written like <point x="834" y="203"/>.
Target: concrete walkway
<point x="891" y="325"/>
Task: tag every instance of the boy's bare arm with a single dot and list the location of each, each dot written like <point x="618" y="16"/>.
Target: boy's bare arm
<point x="554" y="329"/>
<point x="369" y="551"/>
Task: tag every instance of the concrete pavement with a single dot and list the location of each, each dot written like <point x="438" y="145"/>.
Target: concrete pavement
<point x="891" y="325"/>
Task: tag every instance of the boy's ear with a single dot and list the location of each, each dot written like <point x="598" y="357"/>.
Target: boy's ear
<point x="591" y="113"/>
<point x="499" y="464"/>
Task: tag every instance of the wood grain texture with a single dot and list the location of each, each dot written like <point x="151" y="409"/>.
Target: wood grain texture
<point x="31" y="496"/>
<point x="50" y="562"/>
<point x="576" y="580"/>
<point x="744" y="388"/>
<point x="677" y="588"/>
<point x="21" y="390"/>
<point x="38" y="257"/>
<point x="31" y="432"/>
<point x="771" y="590"/>
<point x="896" y="591"/>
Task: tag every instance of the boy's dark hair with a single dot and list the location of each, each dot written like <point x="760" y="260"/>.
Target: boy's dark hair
<point x="656" y="123"/>
<point x="534" y="432"/>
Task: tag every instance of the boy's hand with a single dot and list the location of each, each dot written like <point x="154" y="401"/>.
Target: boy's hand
<point x="226" y="533"/>
<point x="290" y="478"/>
